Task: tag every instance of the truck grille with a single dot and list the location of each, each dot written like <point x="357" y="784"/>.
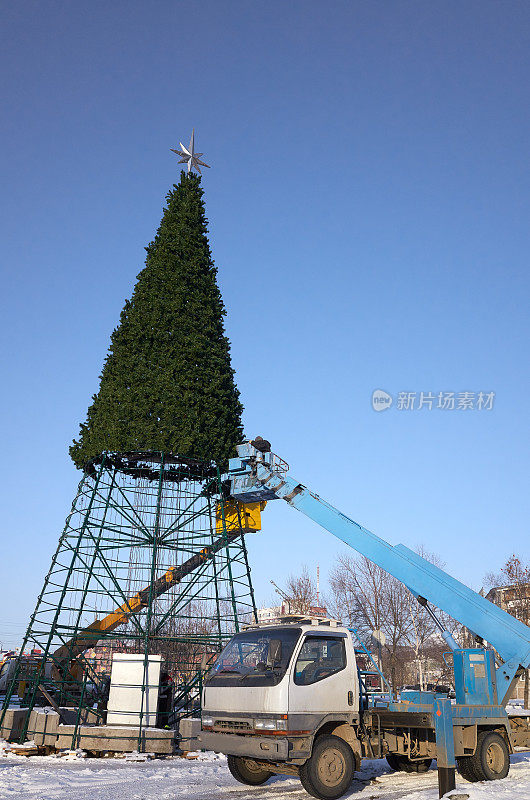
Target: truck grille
<point x="232" y="724"/>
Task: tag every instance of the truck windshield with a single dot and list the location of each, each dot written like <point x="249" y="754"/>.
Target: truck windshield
<point x="255" y="658"/>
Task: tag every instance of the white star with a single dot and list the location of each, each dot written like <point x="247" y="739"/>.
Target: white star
<point x="189" y="156"/>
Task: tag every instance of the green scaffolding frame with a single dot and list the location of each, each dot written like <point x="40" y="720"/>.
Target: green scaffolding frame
<point x="136" y="518"/>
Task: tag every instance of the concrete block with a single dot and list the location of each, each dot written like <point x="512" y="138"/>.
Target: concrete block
<point x="122" y="739"/>
<point x="13" y="723"/>
<point x="64" y="737"/>
<point x="32" y="723"/>
<point x="188" y="732"/>
<point x="43" y="726"/>
<point x="87" y="716"/>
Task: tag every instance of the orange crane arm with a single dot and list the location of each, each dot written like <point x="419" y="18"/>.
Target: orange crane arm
<point x="236" y="518"/>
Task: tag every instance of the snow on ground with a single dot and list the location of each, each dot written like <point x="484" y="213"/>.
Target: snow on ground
<point x="208" y="778"/>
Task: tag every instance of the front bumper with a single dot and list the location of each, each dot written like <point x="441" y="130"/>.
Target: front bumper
<point x="262" y="747"/>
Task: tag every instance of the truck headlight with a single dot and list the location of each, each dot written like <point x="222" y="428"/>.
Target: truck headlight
<point x="207" y="722"/>
<point x="270" y="724"/>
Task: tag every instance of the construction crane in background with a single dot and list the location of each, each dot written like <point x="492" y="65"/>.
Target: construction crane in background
<point x="283" y="595"/>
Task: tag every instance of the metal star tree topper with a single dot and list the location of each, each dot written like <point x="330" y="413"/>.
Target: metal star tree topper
<point x="189" y="156"/>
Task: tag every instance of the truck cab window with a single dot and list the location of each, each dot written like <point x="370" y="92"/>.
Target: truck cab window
<point x="318" y="659"/>
<point x="255" y="658"/>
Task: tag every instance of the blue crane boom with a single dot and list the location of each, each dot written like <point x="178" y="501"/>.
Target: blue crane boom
<point x="257" y="474"/>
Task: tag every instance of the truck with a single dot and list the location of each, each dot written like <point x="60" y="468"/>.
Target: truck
<point x="288" y="698"/>
<point x="24" y="666"/>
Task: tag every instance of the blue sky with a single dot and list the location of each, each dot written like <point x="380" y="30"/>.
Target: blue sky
<point x="368" y="206"/>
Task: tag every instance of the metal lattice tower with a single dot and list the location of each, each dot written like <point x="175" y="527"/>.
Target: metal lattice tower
<point x="152" y="560"/>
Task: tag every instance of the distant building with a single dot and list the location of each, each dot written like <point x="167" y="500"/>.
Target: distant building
<point x="514" y="599"/>
<point x="100" y="656"/>
<point x="317" y="611"/>
<point x="269" y="614"/>
<point x="422" y="668"/>
<point x="273" y="613"/>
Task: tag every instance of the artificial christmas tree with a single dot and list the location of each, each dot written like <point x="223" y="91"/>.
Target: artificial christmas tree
<point x="167" y="383"/>
<point x="152" y="559"/>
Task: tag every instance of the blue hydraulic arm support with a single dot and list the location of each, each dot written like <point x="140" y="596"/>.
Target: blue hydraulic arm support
<point x="258" y="475"/>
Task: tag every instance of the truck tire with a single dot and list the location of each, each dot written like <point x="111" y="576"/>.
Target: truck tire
<point x="394" y="762"/>
<point x="403" y="764"/>
<point x="329" y="772"/>
<point x="417" y="766"/>
<point x="491" y="760"/>
<point x="465" y="768"/>
<point x="245" y="770"/>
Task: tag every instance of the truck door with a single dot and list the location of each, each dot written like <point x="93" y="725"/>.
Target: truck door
<point x="323" y="677"/>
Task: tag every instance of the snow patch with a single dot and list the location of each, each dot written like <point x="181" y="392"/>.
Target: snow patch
<point x="73" y="777"/>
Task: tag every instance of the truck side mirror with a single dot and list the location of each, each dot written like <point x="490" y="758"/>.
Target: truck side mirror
<point x="204" y="662"/>
<point x="275" y="650"/>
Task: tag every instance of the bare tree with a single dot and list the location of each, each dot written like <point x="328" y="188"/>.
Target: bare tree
<point x="513" y="581"/>
<point x="367" y="598"/>
<point x="357" y="587"/>
<point x="398" y="626"/>
<point x="424" y="639"/>
<point x="301" y="592"/>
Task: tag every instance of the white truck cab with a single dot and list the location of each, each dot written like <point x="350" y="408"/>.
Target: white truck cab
<point x="272" y="689"/>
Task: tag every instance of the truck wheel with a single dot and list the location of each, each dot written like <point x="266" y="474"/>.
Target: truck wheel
<point x="465" y="768"/>
<point x="394" y="762"/>
<point x="417" y="766"/>
<point x="329" y="772"/>
<point x="403" y="764"/>
<point x="245" y="770"/>
<point x="491" y="760"/>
